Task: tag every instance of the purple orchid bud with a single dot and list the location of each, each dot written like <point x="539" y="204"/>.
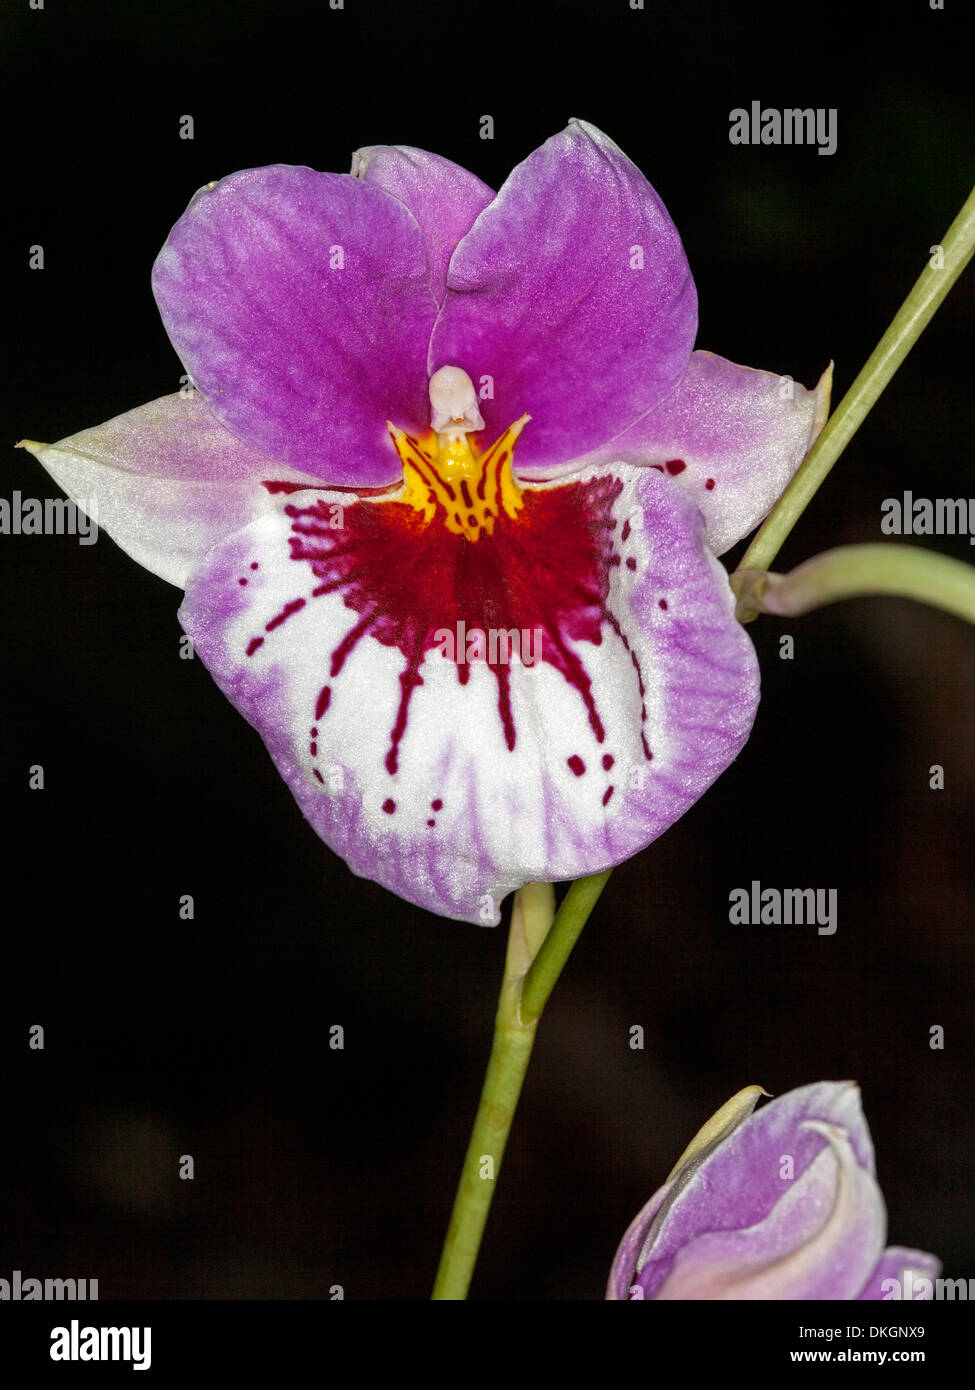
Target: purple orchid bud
<point x="780" y="1204"/>
<point x="446" y="500"/>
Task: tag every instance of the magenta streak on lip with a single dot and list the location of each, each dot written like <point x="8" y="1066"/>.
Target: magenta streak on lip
<point x="407" y="580"/>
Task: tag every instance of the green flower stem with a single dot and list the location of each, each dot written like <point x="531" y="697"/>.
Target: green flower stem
<point x="532" y="916"/>
<point x="557" y="946"/>
<point x="910" y="321"/>
<point x="539" y="943"/>
<point x="904" y="571"/>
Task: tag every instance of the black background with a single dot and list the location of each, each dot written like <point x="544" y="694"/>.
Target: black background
<point x="163" y="1037"/>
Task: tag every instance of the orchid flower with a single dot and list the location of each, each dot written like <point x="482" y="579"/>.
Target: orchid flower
<point x="446" y="499"/>
<point x="779" y="1204"/>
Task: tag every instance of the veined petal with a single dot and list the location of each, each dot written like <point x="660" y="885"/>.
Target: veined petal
<point x="744" y="1180"/>
<point x="443" y="197"/>
<point x="572" y="293"/>
<point x="167" y="481"/>
<point x="300" y="305"/>
<point x="454" y="782"/>
<point x="914" y="1271"/>
<point x="732" y="436"/>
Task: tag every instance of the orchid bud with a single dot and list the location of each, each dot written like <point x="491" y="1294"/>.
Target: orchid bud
<point x="780" y="1204"/>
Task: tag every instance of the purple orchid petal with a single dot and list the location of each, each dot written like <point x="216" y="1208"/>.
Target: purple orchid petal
<point x="732" y="436"/>
<point x="626" y="1260"/>
<point x="630" y="1256"/>
<point x="739" y="1185"/>
<point x="453" y="787"/>
<point x="300" y="305"/>
<point x="167" y="481"/>
<point x="820" y="1240"/>
<point x="443" y="197"/>
<point x="902" y="1274"/>
<point x="546" y="299"/>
